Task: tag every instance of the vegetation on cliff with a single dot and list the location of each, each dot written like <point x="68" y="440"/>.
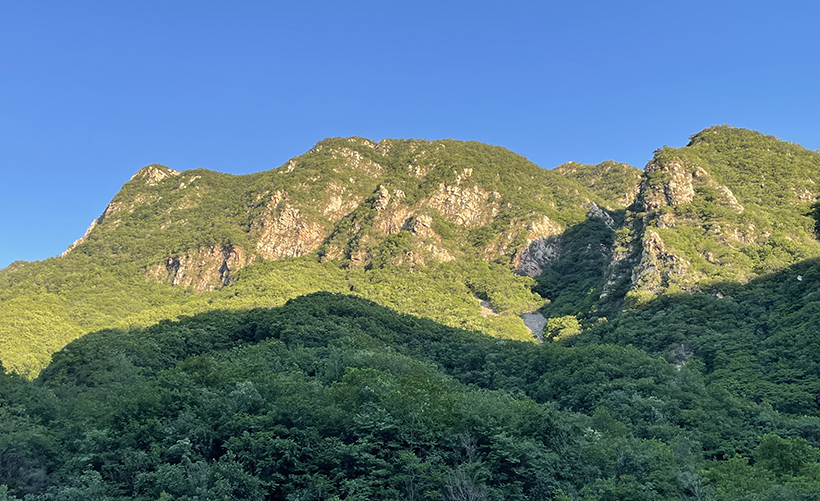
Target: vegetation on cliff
<point x="428" y="228"/>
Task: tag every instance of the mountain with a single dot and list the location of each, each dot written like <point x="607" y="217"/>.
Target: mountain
<point x="731" y="206"/>
<point x="448" y="230"/>
<point x="351" y="325"/>
<point x="341" y="201"/>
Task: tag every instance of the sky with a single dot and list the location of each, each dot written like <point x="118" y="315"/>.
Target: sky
<point x="91" y="91"/>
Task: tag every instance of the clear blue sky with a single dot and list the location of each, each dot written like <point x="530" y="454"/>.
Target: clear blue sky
<point x="90" y="91"/>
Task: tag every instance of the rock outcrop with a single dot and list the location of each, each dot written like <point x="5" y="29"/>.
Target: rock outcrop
<point x="284" y="232"/>
<point x="153" y="174"/>
<point x="673" y="183"/>
<point x="667" y="184"/>
<point x="543" y="246"/>
<point x="658" y="267"/>
<point x="205" y="269"/>
<point x="468" y="206"/>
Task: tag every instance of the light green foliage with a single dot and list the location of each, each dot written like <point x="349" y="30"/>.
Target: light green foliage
<point x="769" y="227"/>
<point x="758" y="339"/>
<point x="562" y="328"/>
<point x="782" y="469"/>
<point x="788" y="457"/>
<point x="444" y="292"/>
<point x="616" y="183"/>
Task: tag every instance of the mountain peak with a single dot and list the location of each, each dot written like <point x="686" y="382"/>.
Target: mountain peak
<point x="154" y="173"/>
<point x="733" y="136"/>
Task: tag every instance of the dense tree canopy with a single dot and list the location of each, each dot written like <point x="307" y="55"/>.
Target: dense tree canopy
<point x="332" y="396"/>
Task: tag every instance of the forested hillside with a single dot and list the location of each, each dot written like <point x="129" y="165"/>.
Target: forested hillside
<point x="334" y="397"/>
<point x="351" y="325"/>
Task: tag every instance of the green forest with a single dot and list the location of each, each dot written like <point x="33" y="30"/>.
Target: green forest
<point x="334" y="397"/>
<point x="351" y="326"/>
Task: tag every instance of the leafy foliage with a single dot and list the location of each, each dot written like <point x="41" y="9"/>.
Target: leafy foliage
<point x="69" y="305"/>
<point x="757" y="339"/>
<point x="333" y="395"/>
<point x="616" y="183"/>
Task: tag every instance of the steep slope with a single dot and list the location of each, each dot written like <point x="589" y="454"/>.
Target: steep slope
<point x="430" y="228"/>
<point x="731" y="206"/>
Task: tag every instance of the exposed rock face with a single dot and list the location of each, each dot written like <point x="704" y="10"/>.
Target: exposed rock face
<point x="207" y="268"/>
<point x="420" y="225"/>
<point x="543" y="247"/>
<point x="383" y="199"/>
<point x="804" y="195"/>
<point x="283" y="232"/>
<point x="153" y="174"/>
<point x="658" y="266"/>
<point x="729" y="198"/>
<point x="358" y="161"/>
<point x="183" y="184"/>
<point x="111" y="209"/>
<point x="469" y="207"/>
<point x="438" y="253"/>
<point x="392" y="213"/>
<point x="339" y="202"/>
<point x="597" y="212"/>
<point x="673" y="185"/>
<point x="418" y="171"/>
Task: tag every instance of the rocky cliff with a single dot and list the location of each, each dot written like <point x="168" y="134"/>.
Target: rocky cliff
<point x="410" y="203"/>
<point x="347" y="200"/>
<point x="700" y="216"/>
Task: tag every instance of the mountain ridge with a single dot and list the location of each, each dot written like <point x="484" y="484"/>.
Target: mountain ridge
<point x="679" y="357"/>
<point x="355" y="215"/>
